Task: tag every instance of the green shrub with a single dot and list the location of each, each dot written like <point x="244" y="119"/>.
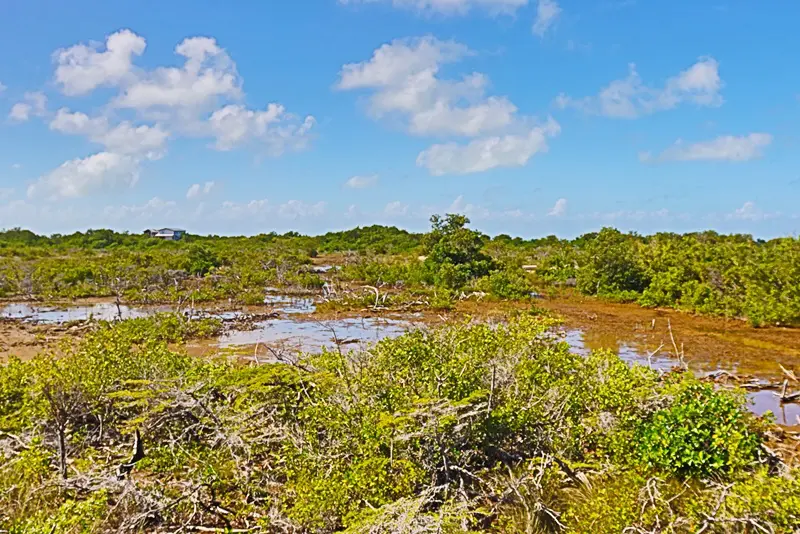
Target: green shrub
<point x="703" y="433"/>
<point x="508" y="283"/>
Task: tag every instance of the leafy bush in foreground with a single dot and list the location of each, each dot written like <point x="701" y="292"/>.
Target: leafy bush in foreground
<point x="702" y="434"/>
<point x="464" y="429"/>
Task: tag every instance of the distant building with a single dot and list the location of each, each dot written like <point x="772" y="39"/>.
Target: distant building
<point x="170" y="234"/>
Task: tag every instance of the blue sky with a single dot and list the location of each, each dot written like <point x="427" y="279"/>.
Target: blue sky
<point x="530" y="116"/>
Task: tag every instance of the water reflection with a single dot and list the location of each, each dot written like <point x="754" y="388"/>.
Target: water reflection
<point x="289" y="304"/>
<point x="760" y="402"/>
<point x="312" y="336"/>
<point x="583" y="343"/>
<point x="767" y="401"/>
<point x="106" y="311"/>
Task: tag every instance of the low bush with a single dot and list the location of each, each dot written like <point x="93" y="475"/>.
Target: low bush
<point x="466" y="428"/>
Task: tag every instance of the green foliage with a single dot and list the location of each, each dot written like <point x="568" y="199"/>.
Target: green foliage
<point x="467" y="428"/>
<point x="729" y="275"/>
<point x="455" y="252"/>
<point x="371" y="239"/>
<point x="200" y="260"/>
<point x="620" y="501"/>
<point x="703" y="433"/>
<point x="509" y="283"/>
<point x="612" y="267"/>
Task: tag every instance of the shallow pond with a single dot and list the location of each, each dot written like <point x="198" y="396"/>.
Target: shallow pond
<point x="634" y="352"/>
<point x="312" y="336"/>
<point x="105" y="311"/>
<point x="302" y="334"/>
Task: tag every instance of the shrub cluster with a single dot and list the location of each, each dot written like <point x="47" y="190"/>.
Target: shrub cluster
<point x="467" y="428"/>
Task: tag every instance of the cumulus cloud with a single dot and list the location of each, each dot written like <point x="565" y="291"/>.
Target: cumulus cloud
<point x="263" y="210"/>
<point x="198" y="190"/>
<point x="450" y="7"/>
<point x="123" y="138"/>
<point x="405" y="83"/>
<point x="82" y="68"/>
<point x="396" y="209"/>
<point x="198" y="99"/>
<point x="295" y="209"/>
<point x="472" y="211"/>
<point x="723" y="148"/>
<point x="633" y="215"/>
<point x="34" y="104"/>
<point x="352" y="212"/>
<point x="362" y="182"/>
<point x="238" y="210"/>
<point x="404" y="78"/>
<point x="155" y="207"/>
<point x="80" y="177"/>
<point x="559" y="209"/>
<point x="279" y="131"/>
<point x="207" y="75"/>
<point x="750" y="212"/>
<point x="125" y="146"/>
<point x="630" y="98"/>
<point x="547" y="12"/>
<point x="3" y="88"/>
<point x="487" y="153"/>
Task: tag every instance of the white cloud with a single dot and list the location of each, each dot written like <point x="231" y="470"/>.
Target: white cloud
<point x="263" y="210"/>
<point x="547" y="12"/>
<point x="196" y="190"/>
<point x="155" y="207"/>
<point x="632" y="215"/>
<point x="3" y="87"/>
<point x="124" y="138"/>
<point x="404" y="78"/>
<point x="140" y="140"/>
<point x="559" y="209"/>
<point x="750" y="212"/>
<point x="352" y="212"/>
<point x="192" y="100"/>
<point x="472" y="211"/>
<point x="724" y="148"/>
<point x="6" y="192"/>
<point x="295" y="209"/>
<point x="487" y="153"/>
<point x="16" y="166"/>
<point x="362" y="182"/>
<point x="450" y="7"/>
<point x="82" y="68"/>
<point x="33" y="104"/>
<point x="125" y="144"/>
<point x="403" y="75"/>
<point x="238" y="210"/>
<point x="80" y="177"/>
<point x="279" y="131"/>
<point x="395" y="209"/>
<point x="208" y="74"/>
<point x="630" y="98"/>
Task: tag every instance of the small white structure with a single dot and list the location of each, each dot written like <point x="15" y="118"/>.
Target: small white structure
<point x="170" y="234"/>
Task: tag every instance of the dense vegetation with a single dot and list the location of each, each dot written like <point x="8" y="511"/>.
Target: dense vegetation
<point x="732" y="276"/>
<point x="470" y="428"/>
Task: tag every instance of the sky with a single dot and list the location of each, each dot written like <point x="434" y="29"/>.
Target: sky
<point x="532" y="117"/>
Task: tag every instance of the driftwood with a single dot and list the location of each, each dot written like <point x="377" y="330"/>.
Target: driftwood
<point x="138" y="454"/>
